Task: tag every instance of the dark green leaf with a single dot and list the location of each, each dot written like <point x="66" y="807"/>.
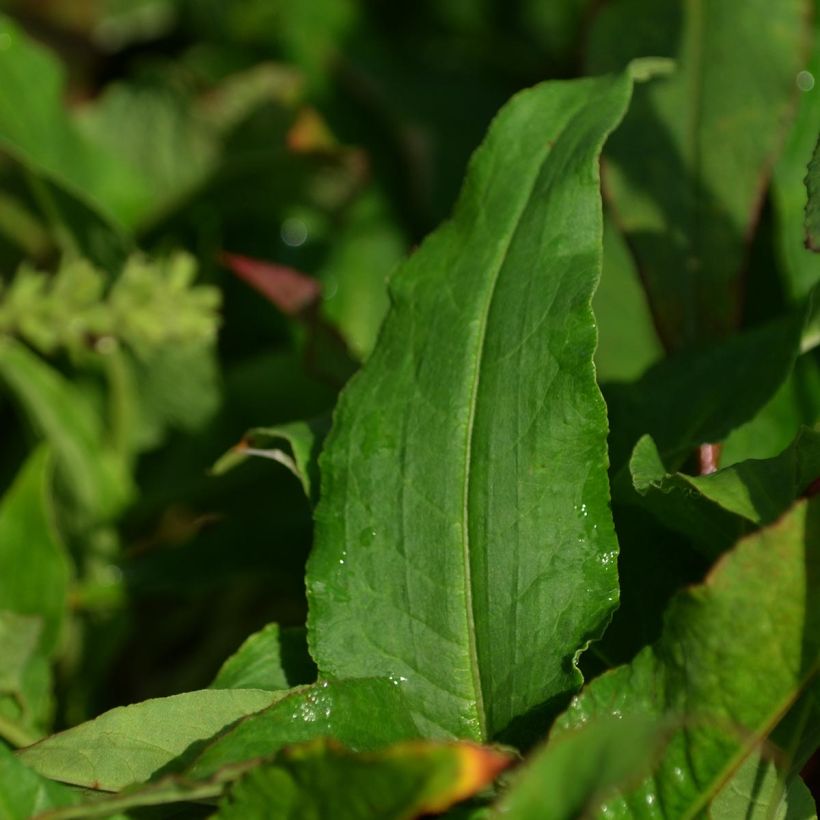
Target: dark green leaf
<point x="689" y="165"/>
<point x="716" y="509"/>
<point x="464" y="544"/>
<point x="700" y="396"/>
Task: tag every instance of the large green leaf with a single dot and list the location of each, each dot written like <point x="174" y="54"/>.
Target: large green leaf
<point x="24" y="794"/>
<point x="34" y="568"/>
<point x="572" y="776"/>
<point x="325" y="780"/>
<point x="735" y="653"/>
<point x="689" y="165"/>
<point x="364" y="714"/>
<point x="131" y="743"/>
<point x="464" y="544"/>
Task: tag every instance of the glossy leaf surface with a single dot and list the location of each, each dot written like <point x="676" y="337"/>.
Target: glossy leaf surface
<point x="364" y="714"/>
<point x="464" y="545"/>
<point x="725" y="687"/>
<point x="689" y="166"/>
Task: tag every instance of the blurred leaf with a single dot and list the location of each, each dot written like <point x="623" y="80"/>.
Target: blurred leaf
<point x="130" y="744"/>
<point x="272" y="659"/>
<point x="322" y="779"/>
<point x="688" y="166"/>
<point x="34" y="568"/>
<point x="23" y="794"/>
<point x="441" y="518"/>
<point x="627" y="341"/>
<point x="555" y="26"/>
<point x="25" y="679"/>
<point x="757" y="791"/>
<point x="64" y="416"/>
<point x="153" y="129"/>
<point x="303" y="440"/>
<point x="570" y="776"/>
<point x="365" y="714"/>
<point x="178" y="387"/>
<point x="36" y="131"/>
<point x="368" y="247"/>
<point x="723" y="688"/>
<point x="292" y="292"/>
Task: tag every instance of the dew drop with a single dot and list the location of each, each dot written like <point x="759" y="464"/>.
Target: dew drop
<point x="366" y="536"/>
<point x="805" y="81"/>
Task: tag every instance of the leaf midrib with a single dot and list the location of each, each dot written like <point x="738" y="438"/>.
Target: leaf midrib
<point x="475" y="669"/>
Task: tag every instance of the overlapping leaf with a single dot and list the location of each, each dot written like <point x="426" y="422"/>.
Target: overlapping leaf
<point x="691" y="161"/>
<point x="464" y="545"/>
<point x="736" y="653"/>
<point x="400" y="783"/>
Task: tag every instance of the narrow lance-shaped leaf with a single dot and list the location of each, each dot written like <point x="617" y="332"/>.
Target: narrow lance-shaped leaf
<point x="735" y="654"/>
<point x="131" y="743"/>
<point x="690" y="165"/>
<point x="464" y="544"/>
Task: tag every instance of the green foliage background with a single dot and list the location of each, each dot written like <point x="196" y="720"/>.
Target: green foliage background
<point x="201" y="203"/>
